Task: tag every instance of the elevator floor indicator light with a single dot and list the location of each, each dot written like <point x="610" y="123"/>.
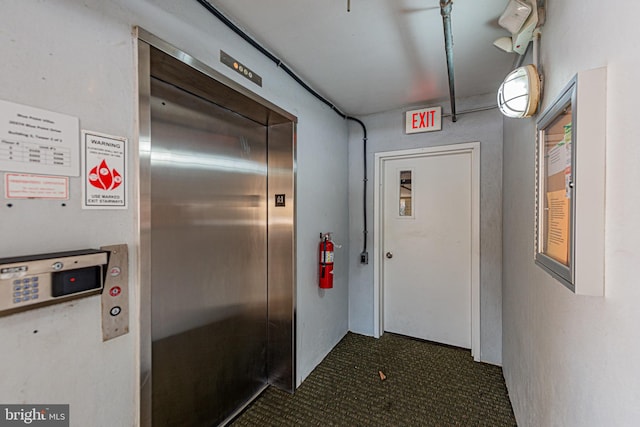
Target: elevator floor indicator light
<point x="240" y="68"/>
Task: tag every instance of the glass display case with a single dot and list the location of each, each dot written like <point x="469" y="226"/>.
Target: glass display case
<point x="555" y="195"/>
<point x="571" y="184"/>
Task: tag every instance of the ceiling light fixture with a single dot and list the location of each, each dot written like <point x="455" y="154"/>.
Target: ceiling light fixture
<point x="519" y="93"/>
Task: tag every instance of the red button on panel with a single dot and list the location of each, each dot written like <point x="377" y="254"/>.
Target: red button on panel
<point x="115" y="291"/>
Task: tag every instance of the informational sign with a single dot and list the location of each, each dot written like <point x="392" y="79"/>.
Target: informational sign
<point x="424" y="120"/>
<point x="37" y="141"/>
<point x="559" y="158"/>
<point x="104" y="171"/>
<point x="26" y="186"/>
<point x="558" y="226"/>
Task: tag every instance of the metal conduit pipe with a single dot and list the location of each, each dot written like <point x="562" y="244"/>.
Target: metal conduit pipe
<point x="226" y="21"/>
<point x="445" y="11"/>
<point x="268" y="54"/>
<point x="364" y="256"/>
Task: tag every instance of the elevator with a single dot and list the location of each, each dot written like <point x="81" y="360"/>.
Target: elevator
<point x="216" y="241"/>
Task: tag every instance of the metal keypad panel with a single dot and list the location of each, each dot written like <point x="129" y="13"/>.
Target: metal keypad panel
<point x="27" y="289"/>
<point x="26" y="281"/>
<point x="20" y="293"/>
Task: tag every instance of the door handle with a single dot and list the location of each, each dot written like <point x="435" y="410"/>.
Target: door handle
<point x="389" y="255"/>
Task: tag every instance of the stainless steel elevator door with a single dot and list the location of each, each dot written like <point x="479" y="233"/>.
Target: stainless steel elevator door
<point x="208" y="258"/>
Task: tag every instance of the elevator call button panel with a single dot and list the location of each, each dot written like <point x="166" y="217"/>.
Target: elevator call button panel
<point x="36" y="280"/>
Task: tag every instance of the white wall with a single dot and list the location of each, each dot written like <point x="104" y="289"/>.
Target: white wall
<point x="572" y="360"/>
<point x="79" y="58"/>
<point x="386" y="133"/>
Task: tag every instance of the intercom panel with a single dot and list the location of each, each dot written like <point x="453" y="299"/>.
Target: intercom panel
<point x="30" y="281"/>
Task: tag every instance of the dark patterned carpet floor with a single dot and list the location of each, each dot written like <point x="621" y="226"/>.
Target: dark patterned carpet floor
<point x="426" y="384"/>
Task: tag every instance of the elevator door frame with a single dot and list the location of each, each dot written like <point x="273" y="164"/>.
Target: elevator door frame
<point x="158" y="58"/>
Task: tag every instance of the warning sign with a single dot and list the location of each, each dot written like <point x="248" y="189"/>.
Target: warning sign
<point x="28" y="186"/>
<point x="103" y="171"/>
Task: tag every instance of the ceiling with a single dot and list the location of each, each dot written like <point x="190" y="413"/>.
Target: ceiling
<point x="383" y="54"/>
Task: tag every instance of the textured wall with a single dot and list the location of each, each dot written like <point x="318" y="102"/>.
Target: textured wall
<point x="567" y="359"/>
<point x="79" y="58"/>
<point x="386" y="133"/>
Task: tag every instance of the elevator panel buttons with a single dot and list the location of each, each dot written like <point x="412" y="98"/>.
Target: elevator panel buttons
<point x="32" y="281"/>
<point x="115" y="299"/>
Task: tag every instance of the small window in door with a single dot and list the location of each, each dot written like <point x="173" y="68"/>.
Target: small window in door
<point x="406" y="194"/>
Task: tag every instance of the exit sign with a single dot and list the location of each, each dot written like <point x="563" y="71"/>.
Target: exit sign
<point x="424" y="120"/>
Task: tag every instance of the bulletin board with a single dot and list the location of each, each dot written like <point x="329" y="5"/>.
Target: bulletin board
<point x="555" y="188"/>
<point x="557" y="182"/>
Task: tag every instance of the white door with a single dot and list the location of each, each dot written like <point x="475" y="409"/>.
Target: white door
<point x="427" y="247"/>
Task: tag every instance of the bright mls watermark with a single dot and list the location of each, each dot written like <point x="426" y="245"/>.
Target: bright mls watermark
<point x="34" y="415"/>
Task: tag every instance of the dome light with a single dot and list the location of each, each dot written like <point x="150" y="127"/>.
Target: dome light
<point x="519" y="93"/>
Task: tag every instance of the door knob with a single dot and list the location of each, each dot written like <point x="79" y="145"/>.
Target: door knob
<point x="389" y="255"/>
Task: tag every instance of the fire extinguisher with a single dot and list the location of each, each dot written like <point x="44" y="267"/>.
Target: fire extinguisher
<point x="326" y="261"/>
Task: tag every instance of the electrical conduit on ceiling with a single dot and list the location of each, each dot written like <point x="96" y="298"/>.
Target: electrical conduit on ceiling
<point x="280" y="64"/>
<point x="445" y="11"/>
